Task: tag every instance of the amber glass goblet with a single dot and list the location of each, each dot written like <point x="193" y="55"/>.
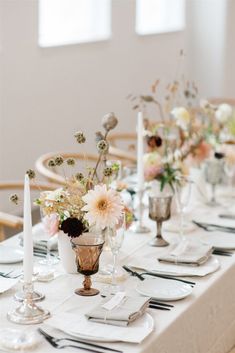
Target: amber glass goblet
<point x="88" y="248"/>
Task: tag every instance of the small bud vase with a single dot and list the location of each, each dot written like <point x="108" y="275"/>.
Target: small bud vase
<point x="66" y="253"/>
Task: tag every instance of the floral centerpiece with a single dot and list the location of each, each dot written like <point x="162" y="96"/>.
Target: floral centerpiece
<point x="184" y="132"/>
<point x="86" y="202"/>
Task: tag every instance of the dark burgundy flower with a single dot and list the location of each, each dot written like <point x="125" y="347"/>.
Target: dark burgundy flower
<point x="219" y="155"/>
<point x="154" y="141"/>
<point x="73" y="227"/>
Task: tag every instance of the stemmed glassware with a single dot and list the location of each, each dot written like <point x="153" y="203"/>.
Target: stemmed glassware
<point x="159" y="211"/>
<point x="115" y="238"/>
<point x="229" y="169"/>
<point x="214" y="173"/>
<point x="182" y="197"/>
<point x="88" y="248"/>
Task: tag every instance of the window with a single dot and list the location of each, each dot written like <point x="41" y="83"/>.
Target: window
<point x="159" y="16"/>
<point x="64" y="22"/>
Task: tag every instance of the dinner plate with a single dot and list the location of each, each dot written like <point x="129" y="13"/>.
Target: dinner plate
<point x="79" y="327"/>
<point x="222" y="241"/>
<point x="11" y="254"/>
<point x="164" y="289"/>
<point x="153" y="265"/>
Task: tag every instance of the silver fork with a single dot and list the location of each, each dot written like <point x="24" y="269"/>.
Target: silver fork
<point x="55" y="343"/>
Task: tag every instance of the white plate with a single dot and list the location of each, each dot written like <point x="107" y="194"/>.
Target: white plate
<point x="223" y="241"/>
<point x="79" y="327"/>
<point x="163" y="289"/>
<point x="11" y="254"/>
<point x="152" y="265"/>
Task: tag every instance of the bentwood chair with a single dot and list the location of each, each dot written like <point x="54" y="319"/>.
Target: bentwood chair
<point x="217" y="101"/>
<point x="13" y="221"/>
<point x="122" y="146"/>
<point x="58" y="175"/>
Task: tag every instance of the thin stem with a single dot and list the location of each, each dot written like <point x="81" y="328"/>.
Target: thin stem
<point x="114" y="269"/>
<point x="159" y="229"/>
<point x="213" y="200"/>
<point x="99" y="159"/>
<point x="182" y="224"/>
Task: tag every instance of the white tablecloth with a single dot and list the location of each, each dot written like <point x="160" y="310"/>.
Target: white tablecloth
<point x="204" y="322"/>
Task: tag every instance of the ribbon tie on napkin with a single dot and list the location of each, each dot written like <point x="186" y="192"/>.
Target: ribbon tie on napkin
<point x="128" y="310"/>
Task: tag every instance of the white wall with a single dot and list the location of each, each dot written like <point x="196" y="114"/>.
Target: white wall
<point x="206" y="38"/>
<point x="50" y="93"/>
<point x="1" y="78"/>
<point x="229" y="66"/>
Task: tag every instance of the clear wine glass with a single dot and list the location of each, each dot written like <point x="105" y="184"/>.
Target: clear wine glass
<point x="48" y="260"/>
<point x="115" y="238"/>
<point x="182" y="197"/>
<point x="229" y="169"/>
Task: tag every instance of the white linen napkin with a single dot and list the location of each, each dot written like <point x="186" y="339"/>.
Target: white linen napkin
<point x="151" y="264"/>
<point x="40" y="240"/>
<point x="7" y="283"/>
<point x="127" y="311"/>
<point x="187" y="253"/>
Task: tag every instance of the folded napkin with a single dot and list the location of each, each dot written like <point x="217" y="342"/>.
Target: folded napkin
<point x="40" y="240"/>
<point x="128" y="310"/>
<point x="188" y="253"/>
<point x="7" y="283"/>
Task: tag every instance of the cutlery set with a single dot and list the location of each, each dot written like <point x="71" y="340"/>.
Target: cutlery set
<point x="214" y="227"/>
<point x="43" y="253"/>
<point x="142" y="278"/>
<point x="59" y="343"/>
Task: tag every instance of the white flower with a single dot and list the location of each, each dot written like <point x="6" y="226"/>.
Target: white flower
<point x="103" y="206"/>
<point x="181" y="116"/>
<point x="223" y="113"/>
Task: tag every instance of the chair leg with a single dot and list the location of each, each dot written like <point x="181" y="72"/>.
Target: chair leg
<point x="2" y="235"/>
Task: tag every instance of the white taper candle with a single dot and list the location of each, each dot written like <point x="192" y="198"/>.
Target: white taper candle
<point x="140" y="152"/>
<point x="28" y="236"/>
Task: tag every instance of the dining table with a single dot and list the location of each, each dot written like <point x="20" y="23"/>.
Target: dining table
<point x="203" y="322"/>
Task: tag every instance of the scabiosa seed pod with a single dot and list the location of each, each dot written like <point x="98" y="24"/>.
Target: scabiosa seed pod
<point x="102" y="146"/>
<point x="80" y="137"/>
<point x="79" y="176"/>
<point x="154" y="141"/>
<point x="70" y="161"/>
<point x="219" y="155"/>
<point x="14" y="198"/>
<point x="109" y="121"/>
<point x="31" y="173"/>
<point x="51" y="163"/>
<point x="59" y="160"/>
<point x="108" y="171"/>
